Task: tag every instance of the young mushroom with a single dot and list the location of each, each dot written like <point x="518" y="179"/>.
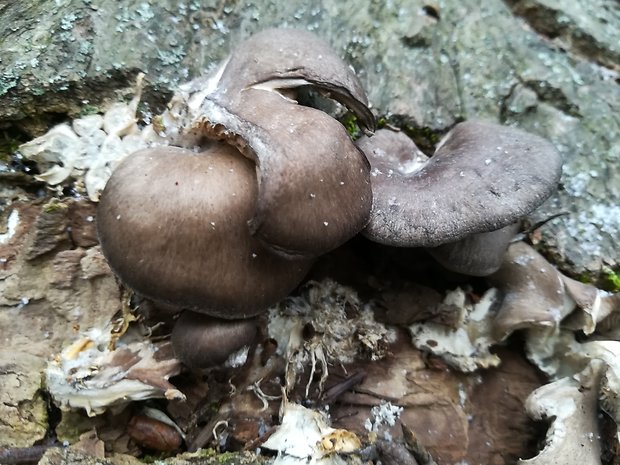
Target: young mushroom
<point x="536" y="294"/>
<point x="202" y="341"/>
<point x="533" y="293"/>
<point x="482" y="178"/>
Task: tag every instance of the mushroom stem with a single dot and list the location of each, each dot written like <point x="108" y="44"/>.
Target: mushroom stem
<point x="476" y="255"/>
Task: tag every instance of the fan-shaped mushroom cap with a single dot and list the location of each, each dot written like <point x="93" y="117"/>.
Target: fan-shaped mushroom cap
<point x="533" y="292"/>
<point x="173" y="226"/>
<point x="201" y="341"/>
<point x="481" y="178"/>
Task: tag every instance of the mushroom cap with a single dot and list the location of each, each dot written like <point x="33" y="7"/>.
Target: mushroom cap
<point x="173" y="226"/>
<point x="314" y="189"/>
<point x="594" y="306"/>
<point x="287" y="58"/>
<point x="201" y="341"/>
<point x="313" y="183"/>
<point x="476" y="255"/>
<point x="482" y="177"/>
<point x="571" y="406"/>
<point x="533" y="292"/>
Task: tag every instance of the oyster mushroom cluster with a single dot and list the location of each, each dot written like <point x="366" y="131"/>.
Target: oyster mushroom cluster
<point x="226" y="218"/>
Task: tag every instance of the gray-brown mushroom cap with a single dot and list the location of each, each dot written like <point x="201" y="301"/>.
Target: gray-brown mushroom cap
<point x="482" y="177"/>
<point x="313" y="183"/>
<point x="201" y="341"/>
<point x="533" y="292"/>
<point x="288" y="58"/>
<point x="314" y="189"/>
<point x="173" y="226"/>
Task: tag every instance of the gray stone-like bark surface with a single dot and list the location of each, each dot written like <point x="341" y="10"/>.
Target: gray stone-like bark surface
<point x="548" y="67"/>
<point x="23" y="410"/>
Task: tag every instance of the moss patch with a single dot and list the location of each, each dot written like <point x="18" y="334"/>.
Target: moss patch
<point x="610" y="280"/>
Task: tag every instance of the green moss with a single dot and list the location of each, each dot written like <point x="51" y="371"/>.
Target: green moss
<point x="610" y="279"/>
<point x="88" y="110"/>
<point x="585" y="278"/>
<point x="424" y="137"/>
<point x="205" y="453"/>
<point x="349" y="121"/>
<point x="8" y="146"/>
<point x="151" y="458"/>
<point x="607" y="279"/>
<point x="55" y="206"/>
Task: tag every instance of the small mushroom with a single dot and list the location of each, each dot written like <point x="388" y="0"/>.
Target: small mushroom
<point x="201" y="341"/>
<point x="594" y="306"/>
<point x="536" y="294"/>
<point x="481" y="178"/>
<point x="533" y="293"/>
<point x="173" y="226"/>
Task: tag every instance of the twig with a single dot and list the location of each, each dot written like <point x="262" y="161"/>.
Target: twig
<point x="22" y="455"/>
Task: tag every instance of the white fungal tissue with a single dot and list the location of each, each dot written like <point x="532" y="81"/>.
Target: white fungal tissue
<point x="88" y="149"/>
